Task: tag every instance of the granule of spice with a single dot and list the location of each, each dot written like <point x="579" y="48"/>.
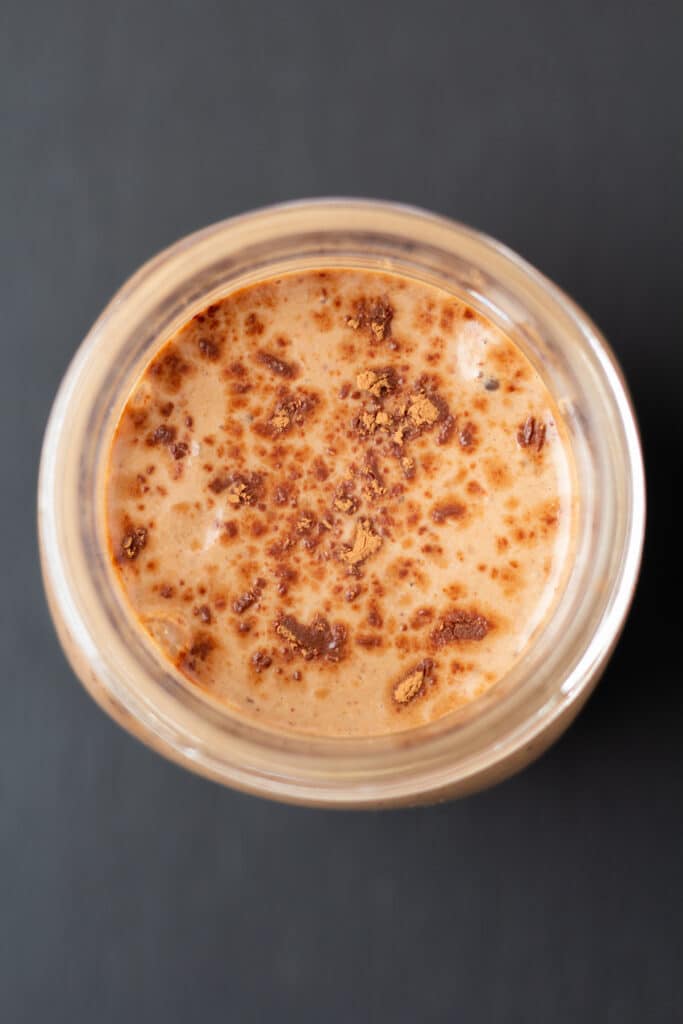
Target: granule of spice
<point x="242" y="490"/>
<point x="178" y="449"/>
<point x="377" y="382"/>
<point x="133" y="542"/>
<point x="375" y="314"/>
<point x="276" y="365"/>
<point x="460" y="625"/>
<point x="449" y="510"/>
<point x="422" y="412"/>
<point x="345" y="502"/>
<point x="446" y="430"/>
<point x="412" y="685"/>
<point x="408" y="467"/>
<point x="253" y="325"/>
<point x="162" y="435"/>
<point x="248" y="598"/>
<point x="290" y="410"/>
<point x="467" y="435"/>
<point x="531" y="434"/>
<point x="320" y="639"/>
<point x="365" y="543"/>
<point x="370" y="420"/>
<point x="261" y="660"/>
<point x="203" y="612"/>
<point x="372" y="482"/>
<point x="209" y="349"/>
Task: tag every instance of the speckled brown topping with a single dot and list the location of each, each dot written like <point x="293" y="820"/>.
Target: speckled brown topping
<point x="365" y="543"/>
<point x="460" y="625"/>
<point x="449" y="510"/>
<point x="133" y="542"/>
<point x="241" y="489"/>
<point x="531" y="434"/>
<point x="319" y="640"/>
<point x="373" y="313"/>
<point x="378" y="382"/>
<point x="275" y="365"/>
<point x="412" y="685"/>
<point x="340" y="502"/>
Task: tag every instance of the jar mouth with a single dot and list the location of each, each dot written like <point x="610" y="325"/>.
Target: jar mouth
<point x="123" y="670"/>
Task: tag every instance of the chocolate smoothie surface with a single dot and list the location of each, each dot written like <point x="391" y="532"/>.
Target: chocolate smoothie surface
<point x="340" y="502"/>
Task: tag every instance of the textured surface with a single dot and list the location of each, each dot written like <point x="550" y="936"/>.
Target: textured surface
<point x="133" y="891"/>
<point x="311" y="514"/>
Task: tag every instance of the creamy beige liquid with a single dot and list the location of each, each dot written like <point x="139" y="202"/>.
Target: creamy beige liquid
<point x="340" y="502"/>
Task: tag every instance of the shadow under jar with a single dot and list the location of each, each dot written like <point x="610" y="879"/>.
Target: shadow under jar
<point x="478" y="743"/>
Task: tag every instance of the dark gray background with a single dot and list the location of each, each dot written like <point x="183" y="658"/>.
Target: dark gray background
<point x="132" y="891"/>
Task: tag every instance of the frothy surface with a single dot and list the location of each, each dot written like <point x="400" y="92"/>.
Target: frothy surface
<point x="340" y="503"/>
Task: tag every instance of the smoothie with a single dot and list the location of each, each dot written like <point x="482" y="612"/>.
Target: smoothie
<point x="340" y="502"/>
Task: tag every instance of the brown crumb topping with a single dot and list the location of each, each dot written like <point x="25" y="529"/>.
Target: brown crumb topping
<point x="178" y="449"/>
<point x="276" y="365"/>
<point x="248" y="598"/>
<point x="449" y="510"/>
<point x="467" y="435"/>
<point x="412" y="685"/>
<point x="373" y="314"/>
<point x="311" y="454"/>
<point x="460" y="625"/>
<point x="242" y="489"/>
<point x="365" y="543"/>
<point x="209" y="349"/>
<point x="163" y="434"/>
<point x="261" y="660"/>
<point x="422" y="412"/>
<point x="377" y="382"/>
<point x="201" y="647"/>
<point x="370" y="420"/>
<point x="252" y="325"/>
<point x="318" y="640"/>
<point x="408" y="467"/>
<point x="531" y="434"/>
<point x="203" y="613"/>
<point x="344" y="501"/>
<point x="133" y="542"/>
<point x="291" y="409"/>
<point x="372" y="482"/>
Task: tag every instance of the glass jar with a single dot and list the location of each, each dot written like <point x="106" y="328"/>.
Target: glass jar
<point x="467" y="749"/>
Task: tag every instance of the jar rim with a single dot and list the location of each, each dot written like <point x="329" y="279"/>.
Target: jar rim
<point x="299" y="768"/>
